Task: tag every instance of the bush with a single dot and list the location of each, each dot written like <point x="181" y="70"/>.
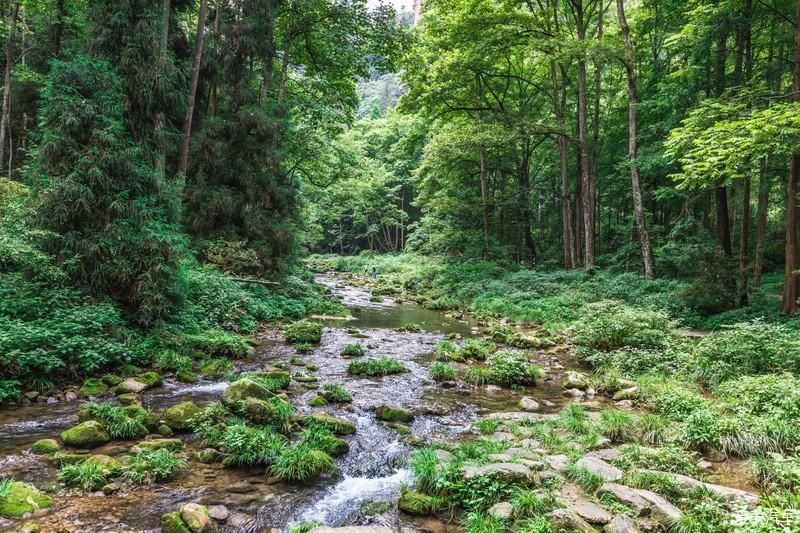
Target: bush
<point x="301" y="463"/>
<point x="303" y="331"/>
<point x="617" y="426"/>
<point x="508" y="367"/>
<point x="248" y="446"/>
<point x="608" y="326"/>
<point x="336" y="393"/>
<point x="776" y="395"/>
<point x="476" y="349"/>
<point x="86" y="475"/>
<point x="352" y="350"/>
<point x="120" y="422"/>
<point x="376" y="367"/>
<point x="442" y="372"/>
<point x="147" y="467"/>
<point x="446" y="350"/>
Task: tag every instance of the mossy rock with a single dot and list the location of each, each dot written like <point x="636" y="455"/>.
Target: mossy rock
<point x="158" y="444"/>
<point x="242" y="389"/>
<point x="45" y="447"/>
<point x="400" y="428"/>
<point x="196" y="517"/>
<point x="178" y="416"/>
<point x="129" y="398"/>
<point x="258" y="411"/>
<point x="337" y="447"/>
<point x="305" y="378"/>
<point x="394" y="414"/>
<point x="151" y="379"/>
<point x="303" y="331"/>
<point x="165" y="431"/>
<point x="417" y="503"/>
<point x="108" y="465"/>
<point x="186" y="376"/>
<point x="92" y="387"/>
<point x="111" y="380"/>
<point x="373" y="508"/>
<point x="23" y="498"/>
<point x="62" y="458"/>
<point x="209" y="456"/>
<point x="339" y="426"/>
<point x="147" y="417"/>
<point x="318" y="401"/>
<point x="311" y="367"/>
<point x="130" y="386"/>
<point x="173" y="523"/>
<point x="89" y="434"/>
<point x="575" y="380"/>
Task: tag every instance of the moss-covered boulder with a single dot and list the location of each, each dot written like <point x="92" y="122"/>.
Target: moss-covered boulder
<point x="416" y="503"/>
<point x="145" y="416"/>
<point x="209" y="456"/>
<point x="92" y="387"/>
<point x="108" y="465"/>
<point x="130" y="386"/>
<point x="242" y="389"/>
<point x="339" y="426"/>
<point x="305" y="378"/>
<point x="89" y="434"/>
<point x="173" y="523"/>
<point x="575" y="380"/>
<point x="151" y="379"/>
<point x="111" y="380"/>
<point x="318" y="401"/>
<point x="165" y="431"/>
<point x="178" y="416"/>
<point x="393" y="414"/>
<point x="196" y="518"/>
<point x="259" y="411"/>
<point x="23" y="498"/>
<point x="158" y="444"/>
<point x="45" y="446"/>
<point x="129" y="398"/>
<point x="186" y="376"/>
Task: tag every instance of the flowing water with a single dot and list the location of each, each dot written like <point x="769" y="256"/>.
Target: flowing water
<point x="373" y="470"/>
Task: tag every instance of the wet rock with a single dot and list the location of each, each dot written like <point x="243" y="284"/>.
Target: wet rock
<point x="93" y="387"/>
<point x="492" y="389"/>
<point x="590" y="392"/>
<point x="661" y="510"/>
<point x="129" y="398"/>
<point x="305" y="378"/>
<point x="527" y="403"/>
<point x="600" y="467"/>
<point x="705" y="465"/>
<point x="501" y="510"/>
<point x="393" y="414"/>
<point x="352" y="529"/>
<point x="568" y="520"/>
<point x="178" y="416"/>
<point x="130" y="385"/>
<point x="592" y="404"/>
<point x="575" y="380"/>
<point x="209" y="456"/>
<point x="557" y="462"/>
<point x="448" y="384"/>
<point x="340" y="426"/>
<point x="51" y="400"/>
<point x="730" y="494"/>
<point x="627" y="394"/>
<point x="502" y="436"/>
<point x="110" y="488"/>
<point x="173" y="523"/>
<point x="45" y="446"/>
<point x="506" y="472"/>
<point x="196" y="518"/>
<point x="158" y="444"/>
<point x="627" y="496"/>
<point x="151" y="379"/>
<point x="318" y="401"/>
<point x="621" y="524"/>
<point x="624" y="404"/>
<point x="106" y="463"/>
<point x="219" y="513"/>
<point x="416" y="503"/>
<point x="89" y="434"/>
<point x="31" y="394"/>
<point x="186" y="376"/>
<point x="22" y="499"/>
<point x="242" y="389"/>
<point x="70" y="396"/>
<point x="259" y="411"/>
<point x="573" y="393"/>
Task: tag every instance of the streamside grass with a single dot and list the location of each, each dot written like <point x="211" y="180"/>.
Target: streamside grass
<point x="376" y="367"/>
<point x="442" y="372"/>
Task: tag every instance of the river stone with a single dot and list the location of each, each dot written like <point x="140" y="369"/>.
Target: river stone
<point x="527" y="403"/>
<point x="173" y="523"/>
<point x="45" y="446"/>
<point x="574" y="393"/>
<point x="186" y="376"/>
<point x="242" y="389"/>
<point x="575" y="380"/>
<point x="89" y="434"/>
<point x="209" y="456"/>
<point x="106" y="463"/>
<point x="393" y="414"/>
<point x="558" y="462"/>
<point x="501" y="510"/>
<point x="318" y="401"/>
<point x="627" y="394"/>
<point x="507" y="472"/>
<point x="92" y="387"/>
<point x="70" y="396"/>
<point x="626" y="495"/>
<point x="23" y="498"/>
<point x="196" y="518"/>
<point x="31" y="527"/>
<point x="607" y="454"/>
<point x="129" y="398"/>
<point x="219" y="513"/>
<point x="158" y="444"/>
<point x="661" y="510"/>
<point x="151" y="379"/>
<point x="258" y="411"/>
<point x="443" y="456"/>
<point x="730" y="494"/>
<point x="568" y="520"/>
<point x="352" y="529"/>
<point x="590" y="511"/>
<point x="600" y="467"/>
<point x="111" y="488"/>
<point x="416" y="503"/>
<point x="502" y="436"/>
<point x="130" y="385"/>
<point x="340" y="426"/>
<point x="621" y="524"/>
<point x="178" y="416"/>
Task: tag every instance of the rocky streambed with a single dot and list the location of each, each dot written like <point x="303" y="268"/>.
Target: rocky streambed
<point x="368" y="480"/>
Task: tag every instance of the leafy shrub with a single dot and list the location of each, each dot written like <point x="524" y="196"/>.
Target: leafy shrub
<point x="478" y="375"/>
<point x="303" y="347"/>
<point x="442" y="372"/>
<point x="775" y="472"/>
<point x="376" y="367"/>
<point x="119" y="422"/>
<point x="672" y="399"/>
<point x="301" y="463"/>
<point x="446" y="350"/>
<point x="9" y="389"/>
<point x="147" y="467"/>
<point x="652" y="429"/>
<point x="336" y="393"/>
<point x="617" y="426"/>
<point x="249" y="446"/>
<point x="352" y="350"/>
<point x="172" y="361"/>
<point x="476" y="349"/>
<point x="701" y="430"/>
<point x="86" y="475"/>
<point x="217" y="343"/>
<point x="608" y="326"/>
<point x="303" y="331"/>
<point x="775" y="395"/>
<point x="508" y="367"/>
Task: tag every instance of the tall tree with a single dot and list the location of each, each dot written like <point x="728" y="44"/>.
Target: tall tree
<point x="183" y="156"/>
<point x="5" y="118"/>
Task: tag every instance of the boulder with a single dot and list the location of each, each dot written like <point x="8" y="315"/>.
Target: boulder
<point x="220" y="513"/>
<point x="557" y="462"/>
<point x="173" y="523"/>
<point x="501" y="510"/>
<point x="178" y="416"/>
<point x="568" y="520"/>
<point x="45" y="446"/>
<point x="340" y="426"/>
<point x="196" y="518"/>
<point x="209" y="456"/>
<point x="621" y="524"/>
<point x="318" y="401"/>
<point x="151" y="379"/>
<point x="600" y="467"/>
<point x="89" y="434"/>
<point x="243" y="389"/>
<point x="393" y="414"/>
<point x="590" y="511"/>
<point x="575" y="380"/>
<point x="164" y="430"/>
<point x="627" y="496"/>
<point x="70" y="396"/>
<point x="661" y="510"/>
<point x="92" y="387"/>
<point x="130" y="385"/>
<point x="129" y="398"/>
<point x="258" y="411"/>
<point x="729" y="494"/>
<point x="186" y="376"/>
<point x="107" y="464"/>
<point x="416" y="503"/>
<point x="22" y="499"/>
<point x="631" y="393"/>
<point x="158" y="444"/>
<point x="527" y="403"/>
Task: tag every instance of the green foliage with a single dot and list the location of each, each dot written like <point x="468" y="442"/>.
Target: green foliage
<point x="442" y="372"/>
<point x="478" y="375"/>
<point x="477" y="349"/>
<point x="147" y="467"/>
<point x="301" y="463"/>
<point x="376" y="367"/>
<point x="508" y="367"/>
<point x="305" y="527"/>
<point x="446" y="350"/>
<point x="352" y="350"/>
<point x="776" y="395"/>
<point x="529" y="503"/>
<point x="303" y="331"/>
<point x="590" y="481"/>
<point x="617" y="426"/>
<point x="119" y="422"/>
<point x="476" y="522"/>
<point x="775" y="472"/>
<point x="336" y="393"/>
<point x="86" y="475"/>
<point x="249" y="445"/>
<point x="652" y="429"/>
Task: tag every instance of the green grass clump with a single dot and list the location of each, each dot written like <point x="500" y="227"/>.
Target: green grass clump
<point x="530" y="503"/>
<point x="476" y="522"/>
<point x="478" y="375"/>
<point x="617" y="426"/>
<point x="446" y="350"/>
<point x="376" y="367"/>
<point x="701" y="430"/>
<point x="336" y="393"/>
<point x="652" y="429"/>
<point x="305" y="527"/>
<point x="301" y="463"/>
<point x="352" y="350"/>
<point x="86" y="475"/>
<point x="120" y="422"/>
<point x="303" y="347"/>
<point x="509" y="367"/>
<point x="303" y="331"/>
<point x="476" y="349"/>
<point x="487" y="426"/>
<point x="584" y="477"/>
<point x="442" y="372"/>
<point x="147" y="467"/>
<point x="411" y="327"/>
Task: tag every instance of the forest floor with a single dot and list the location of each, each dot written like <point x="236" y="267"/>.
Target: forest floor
<point x="440" y="420"/>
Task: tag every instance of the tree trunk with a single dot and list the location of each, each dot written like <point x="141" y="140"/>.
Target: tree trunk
<point x="484" y="201"/>
<point x="6" y="112"/>
<point x="58" y="27"/>
<point x="524" y="186"/>
<point x="791" y="280"/>
<point x="761" y="224"/>
<point x="636" y="188"/>
<point x="587" y="203"/>
<point x="183" y="159"/>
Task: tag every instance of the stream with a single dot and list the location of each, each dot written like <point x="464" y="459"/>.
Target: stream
<point x="373" y="470"/>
